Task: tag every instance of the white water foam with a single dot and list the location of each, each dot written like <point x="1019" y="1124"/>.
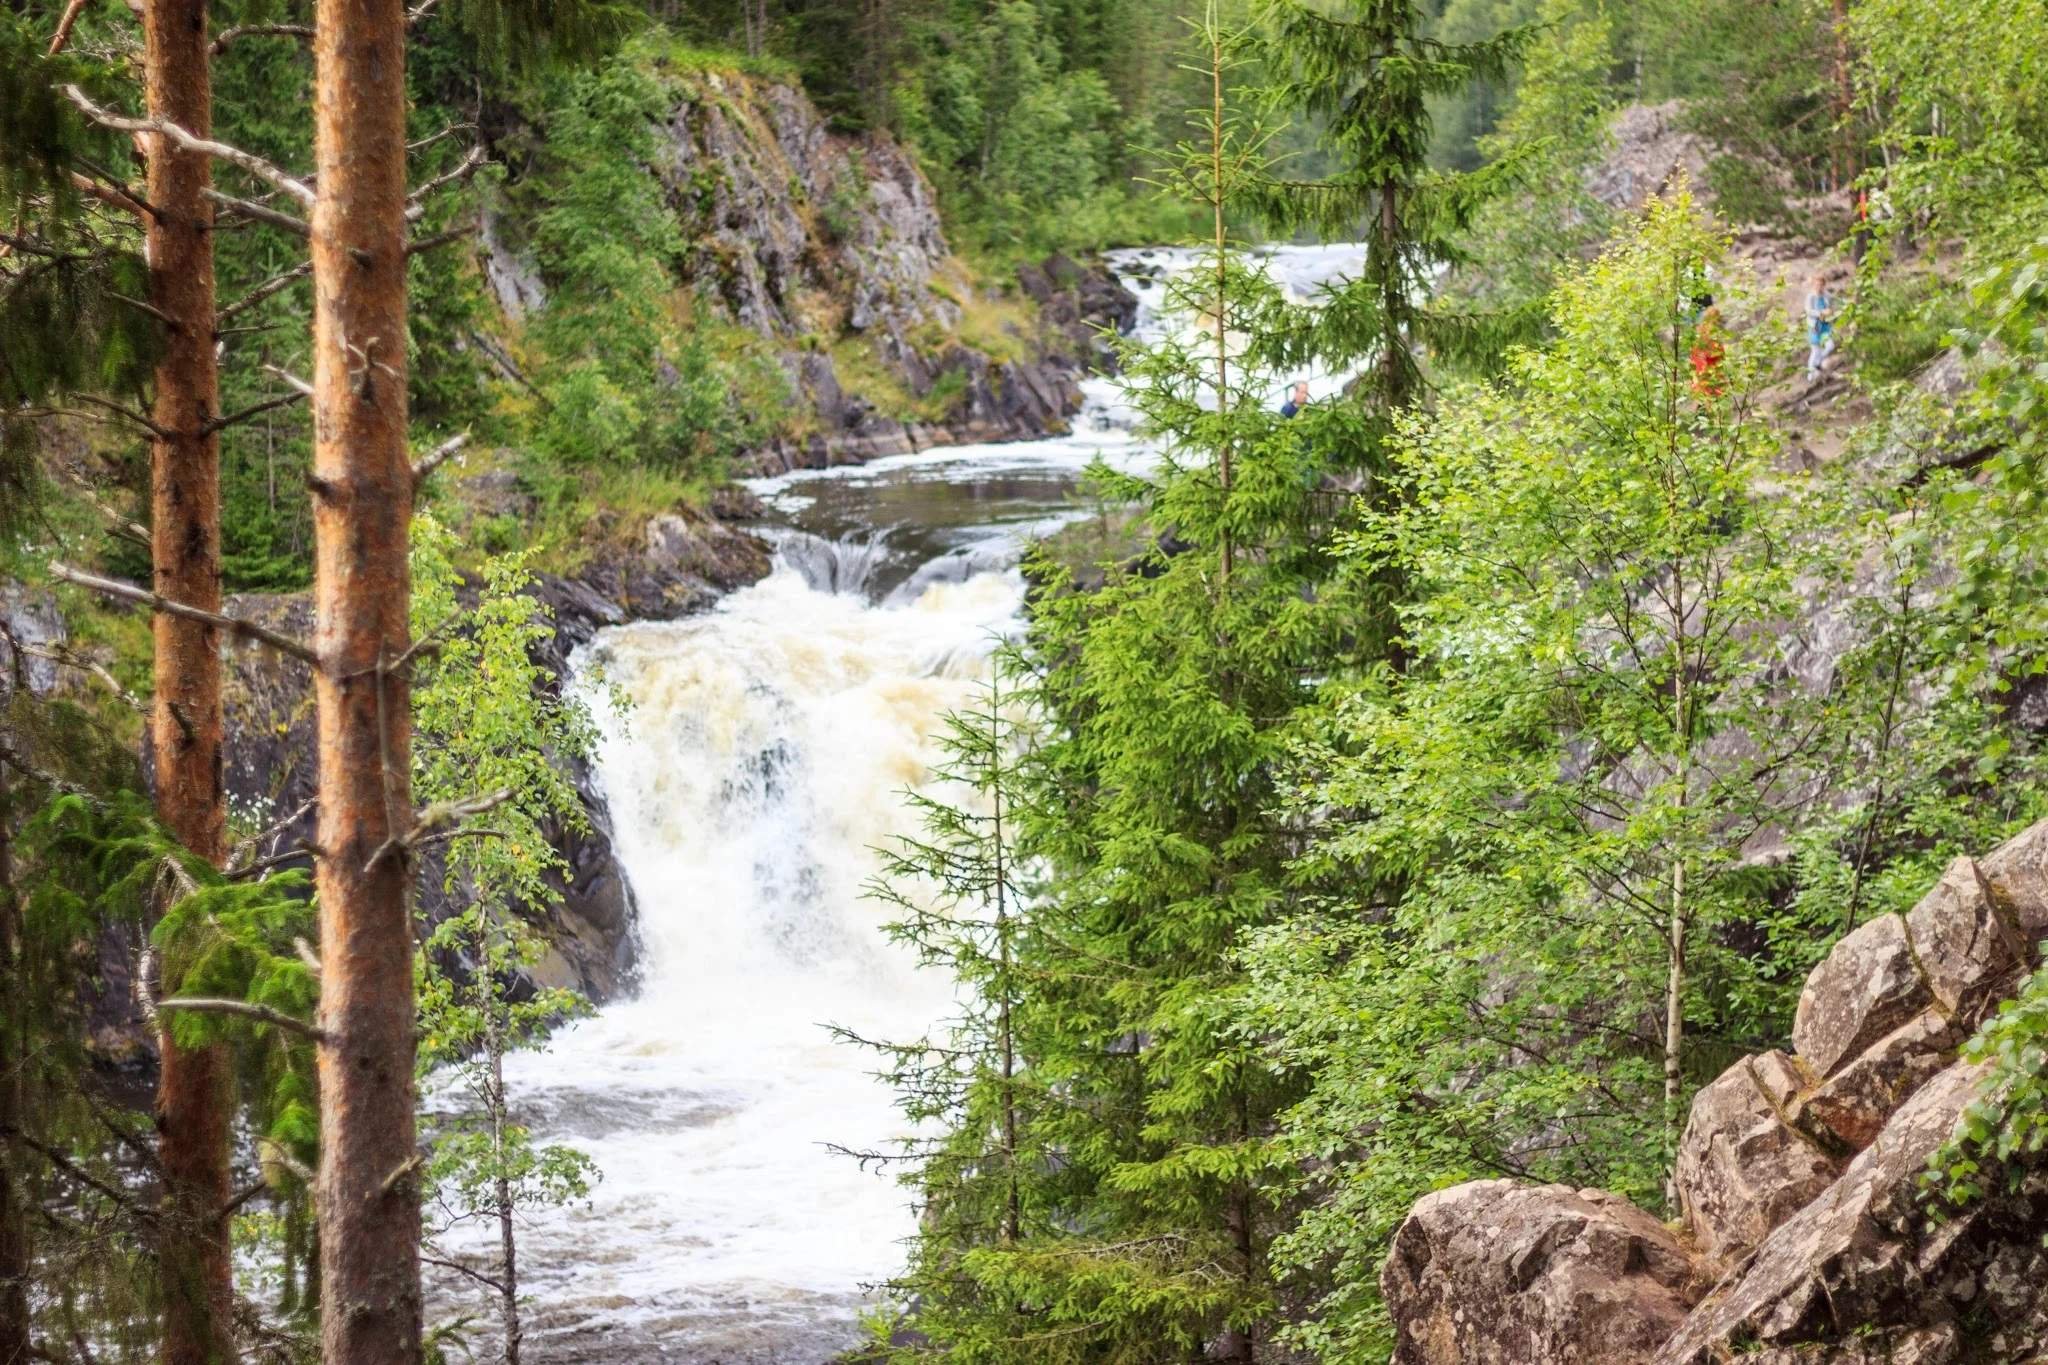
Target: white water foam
<point x="764" y="757"/>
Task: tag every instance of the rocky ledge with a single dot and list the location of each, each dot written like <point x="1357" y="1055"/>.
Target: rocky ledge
<point x="1804" y="1237"/>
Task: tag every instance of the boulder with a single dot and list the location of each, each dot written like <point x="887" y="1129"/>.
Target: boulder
<point x="1965" y="948"/>
<point x="1496" y="1272"/>
<point x="1867" y="1258"/>
<point x="1743" y="1166"/>
<point x="2018" y="877"/>
<point x="1866" y="987"/>
<point x="1854" y="1104"/>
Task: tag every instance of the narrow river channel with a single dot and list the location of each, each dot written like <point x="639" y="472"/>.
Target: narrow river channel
<point x="764" y="755"/>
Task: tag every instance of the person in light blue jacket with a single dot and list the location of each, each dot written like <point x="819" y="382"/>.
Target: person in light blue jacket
<point x="1820" y="327"/>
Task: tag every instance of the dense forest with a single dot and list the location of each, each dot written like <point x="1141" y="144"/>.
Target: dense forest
<point x="1592" y="744"/>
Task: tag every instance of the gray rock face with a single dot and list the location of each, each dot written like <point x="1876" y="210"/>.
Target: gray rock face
<point x="1865" y="1254"/>
<point x="1494" y="1272"/>
<point x="1743" y="1165"/>
<point x="1799" y="1181"/>
<point x="810" y="238"/>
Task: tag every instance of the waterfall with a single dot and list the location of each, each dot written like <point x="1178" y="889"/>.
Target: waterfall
<point x="762" y="758"/>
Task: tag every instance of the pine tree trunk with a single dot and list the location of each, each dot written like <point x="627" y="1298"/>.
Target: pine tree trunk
<point x="194" y="1097"/>
<point x="369" y="1220"/>
<point x="14" y="1240"/>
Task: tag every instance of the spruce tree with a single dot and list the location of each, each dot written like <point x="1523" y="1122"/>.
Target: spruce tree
<point x="1161" y="705"/>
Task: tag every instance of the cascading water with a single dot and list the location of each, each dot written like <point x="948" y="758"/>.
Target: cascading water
<point x="762" y="759"/>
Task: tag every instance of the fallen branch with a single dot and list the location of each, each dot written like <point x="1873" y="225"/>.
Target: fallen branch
<point x="220" y="151"/>
<point x="437" y="457"/>
<point x="128" y="592"/>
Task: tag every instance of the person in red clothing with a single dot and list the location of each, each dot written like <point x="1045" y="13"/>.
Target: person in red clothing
<point x="1707" y="354"/>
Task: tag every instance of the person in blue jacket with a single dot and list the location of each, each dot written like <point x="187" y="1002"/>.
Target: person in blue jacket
<point x="1297" y="400"/>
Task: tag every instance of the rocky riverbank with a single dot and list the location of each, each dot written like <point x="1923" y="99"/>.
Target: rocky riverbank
<point x="1805" y="1236"/>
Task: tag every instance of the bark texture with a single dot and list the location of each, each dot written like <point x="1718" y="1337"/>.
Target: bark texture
<point x="362" y="492"/>
<point x="14" y="1242"/>
<point x="194" y="1098"/>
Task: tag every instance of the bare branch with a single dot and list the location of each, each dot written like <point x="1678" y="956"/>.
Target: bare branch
<point x="234" y="156"/>
<point x="113" y="587"/>
<point x="243" y="1009"/>
<point x="141" y="306"/>
<point x="273" y="1150"/>
<point x="282" y="400"/>
<point x="461" y="1269"/>
<point x="416" y="202"/>
<point x="437" y="457"/>
<point x="64" y="27"/>
<point x="266" y="289"/>
<point x="125" y="527"/>
<point x="247" y="847"/>
<point x="241" y="31"/>
<point x="460" y="232"/>
<point x="67" y="659"/>
<point x="131" y="414"/>
<point x="261" y="213"/>
<point x="438" y="816"/>
<point x="304" y="389"/>
<point x="118" y="195"/>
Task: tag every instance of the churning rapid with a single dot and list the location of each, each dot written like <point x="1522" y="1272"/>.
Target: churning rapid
<point x="763" y="756"/>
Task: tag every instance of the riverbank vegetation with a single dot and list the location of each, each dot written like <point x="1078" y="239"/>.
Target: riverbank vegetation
<point x="1445" y="780"/>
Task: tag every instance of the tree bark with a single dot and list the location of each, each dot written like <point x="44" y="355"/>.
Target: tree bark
<point x="14" y="1242"/>
<point x="194" y="1107"/>
<point x="369" y="1221"/>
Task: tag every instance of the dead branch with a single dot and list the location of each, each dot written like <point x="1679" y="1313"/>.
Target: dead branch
<point x="113" y="587"/>
<point x="120" y="197"/>
<point x="416" y="202"/>
<point x="64" y="27"/>
<point x="437" y="457"/>
<point x="461" y="1269"/>
<point x="66" y="659"/>
<point x="460" y="232"/>
<point x="261" y="213"/>
<point x="120" y="1197"/>
<point x="142" y="306"/>
<point x="438" y="816"/>
<point x="243" y="1009"/>
<point x="282" y="400"/>
<point x="220" y="151"/>
<point x="247" y="847"/>
<point x="234" y="35"/>
<point x="129" y="413"/>
<point x="304" y="389"/>
<point x="273" y="1150"/>
<point x="266" y="289"/>
<point x="125" y="527"/>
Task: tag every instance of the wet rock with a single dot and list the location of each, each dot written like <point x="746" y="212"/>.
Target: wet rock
<point x="1866" y="987"/>
<point x="1496" y="1272"/>
<point x="1866" y="1256"/>
<point x="1649" y="152"/>
<point x="1743" y="1165"/>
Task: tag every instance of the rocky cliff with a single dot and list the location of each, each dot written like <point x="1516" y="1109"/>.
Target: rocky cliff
<point x="831" y="249"/>
<point x="1804" y="1237"/>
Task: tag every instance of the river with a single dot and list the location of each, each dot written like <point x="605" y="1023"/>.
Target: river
<point x="764" y="755"/>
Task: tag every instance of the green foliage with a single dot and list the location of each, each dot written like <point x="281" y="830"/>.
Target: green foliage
<point x="1545" y="813"/>
<point x="490" y="720"/>
<point x="1556" y="129"/>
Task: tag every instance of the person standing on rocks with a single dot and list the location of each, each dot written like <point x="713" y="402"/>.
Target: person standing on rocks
<point x="1820" y="327"/>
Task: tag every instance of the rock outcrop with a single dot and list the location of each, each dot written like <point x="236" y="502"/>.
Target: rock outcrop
<point x="831" y="249"/>
<point x="1805" y="1236"/>
<point x="1495" y="1272"/>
